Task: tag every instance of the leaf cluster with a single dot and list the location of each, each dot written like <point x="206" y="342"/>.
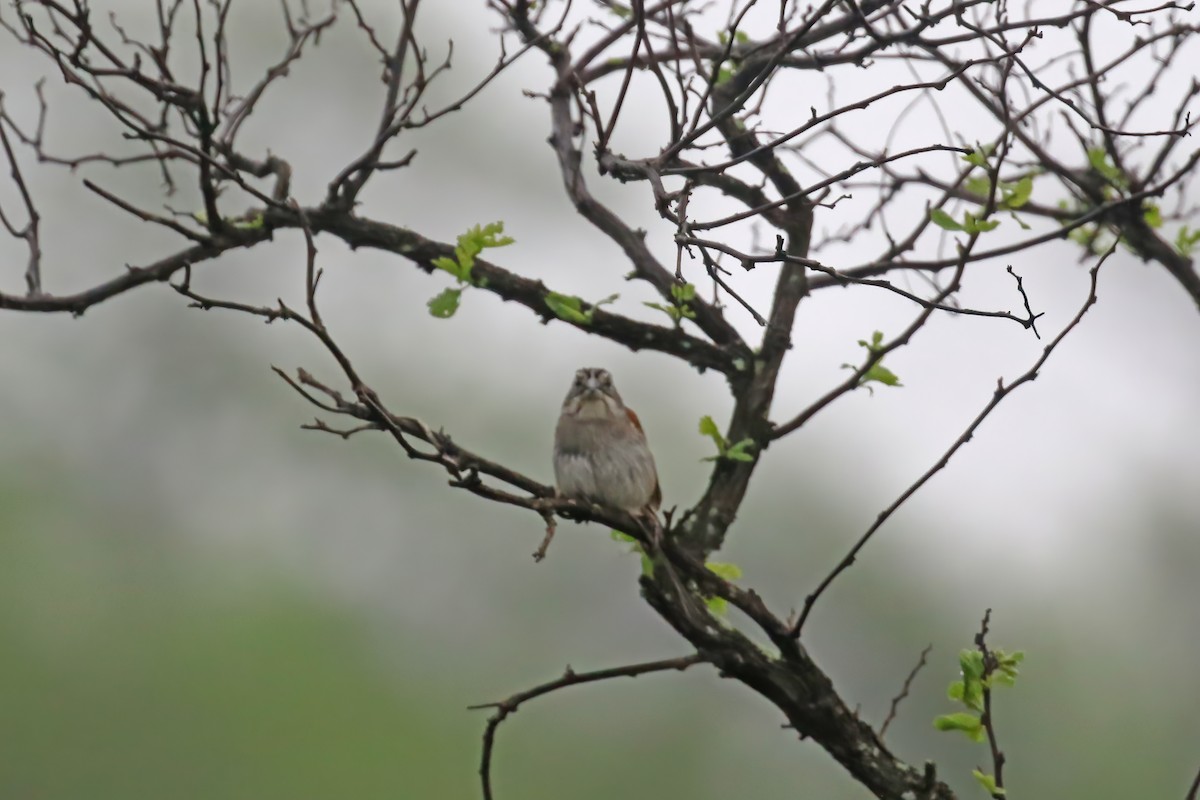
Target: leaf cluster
<point x="877" y="373"/>
<point x="469" y="245"/>
<point x="981" y="672"/>
<point x="1186" y="240"/>
<point x="571" y="308"/>
<point x="722" y="569"/>
<point x="1010" y="196"/>
<point x="737" y="451"/>
<point x="679" y="310"/>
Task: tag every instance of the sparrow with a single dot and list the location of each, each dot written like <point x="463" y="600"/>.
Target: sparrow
<point x="601" y="456"/>
<point x="600" y="451"/>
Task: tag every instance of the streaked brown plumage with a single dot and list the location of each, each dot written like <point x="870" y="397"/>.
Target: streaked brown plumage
<point x="601" y="456"/>
<point x="600" y="451"/>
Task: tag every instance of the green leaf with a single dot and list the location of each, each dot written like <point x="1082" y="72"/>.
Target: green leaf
<point x="1019" y="221"/>
<point x="1152" y="214"/>
<point x="943" y="220"/>
<point x="1186" y="240"/>
<point x="988" y="782"/>
<point x="617" y="536"/>
<point x="1013" y="658"/>
<point x="973" y="224"/>
<point x="682" y="293"/>
<point x="1098" y="158"/>
<point x="954" y="691"/>
<point x="709" y="428"/>
<point x="1012" y="195"/>
<point x="252" y="224"/>
<point x="724" y="74"/>
<point x="471" y="244"/>
<point x="1083" y="235"/>
<point x="881" y="374"/>
<point x="740" y="451"/>
<point x="568" y="307"/>
<point x="730" y="572"/>
<point x="876" y="343"/>
<point x="1001" y="679"/>
<point x="978" y="156"/>
<point x="481" y="236"/>
<point x="464" y="260"/>
<point x="717" y="605"/>
<point x="246" y="223"/>
<point x="1020" y="193"/>
<point x="679" y="309"/>
<point x="671" y="311"/>
<point x="451" y="266"/>
<point x="961" y="721"/>
<point x="980" y="185"/>
<point x="973" y="695"/>
<point x="877" y="373"/>
<point x="1007" y="664"/>
<point x="971" y="664"/>
<point x="445" y="304"/>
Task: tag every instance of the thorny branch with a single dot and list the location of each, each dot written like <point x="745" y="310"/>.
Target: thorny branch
<point x="749" y="153"/>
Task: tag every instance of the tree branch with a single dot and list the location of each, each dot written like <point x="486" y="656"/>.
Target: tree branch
<point x="570" y="677"/>
<point x="891" y="715"/>
<point x="1002" y="391"/>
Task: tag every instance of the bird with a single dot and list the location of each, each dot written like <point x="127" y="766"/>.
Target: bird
<point x="601" y="455"/>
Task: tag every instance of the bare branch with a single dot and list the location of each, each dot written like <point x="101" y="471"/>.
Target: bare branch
<point x="1002" y="391"/>
<point x="29" y="231"/>
<point x="1194" y="791"/>
<point x="133" y="277"/>
<point x="891" y="715"/>
<point x="569" y="678"/>
<point x="987" y="719"/>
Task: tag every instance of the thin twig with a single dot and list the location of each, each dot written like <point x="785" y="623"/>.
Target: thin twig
<point x="891" y="715"/>
<point x="1194" y="792"/>
<point x="569" y="678"/>
<point x="986" y="719"/>
<point x="551" y="527"/>
<point x="1002" y="391"/>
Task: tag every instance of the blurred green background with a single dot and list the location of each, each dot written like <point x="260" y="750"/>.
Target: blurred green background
<point x="200" y="600"/>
